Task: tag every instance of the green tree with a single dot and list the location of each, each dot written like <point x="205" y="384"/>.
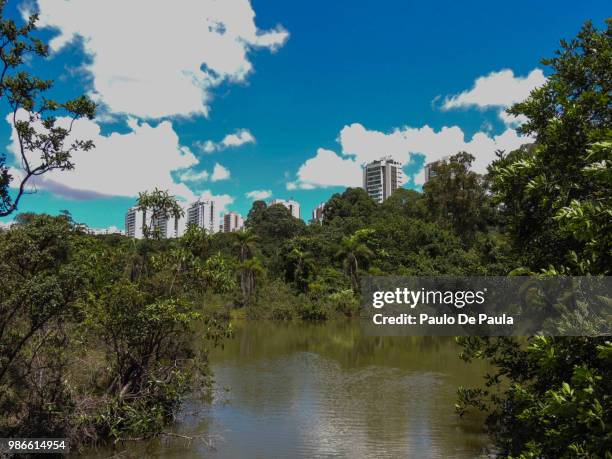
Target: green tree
<point x="44" y="140"/>
<point x="249" y="272"/>
<point x="355" y="252"/>
<point x="300" y="267"/>
<point x="42" y="290"/>
<point x="557" y="188"/>
<point x="196" y="240"/>
<point x="245" y="244"/>
<point x="456" y="196"/>
<point x="256" y="213"/>
<point x="550" y="396"/>
<point x="159" y="206"/>
<point x="273" y="226"/>
<point x="350" y="211"/>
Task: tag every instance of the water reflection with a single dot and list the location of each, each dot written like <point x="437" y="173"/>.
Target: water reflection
<point x="325" y="390"/>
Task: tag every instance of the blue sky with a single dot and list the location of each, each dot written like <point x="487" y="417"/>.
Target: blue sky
<point x="313" y="89"/>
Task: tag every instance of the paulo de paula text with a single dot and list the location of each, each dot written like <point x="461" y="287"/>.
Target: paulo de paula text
<point x="444" y="319"/>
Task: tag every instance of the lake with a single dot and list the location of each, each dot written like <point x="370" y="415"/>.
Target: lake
<point x="304" y="390"/>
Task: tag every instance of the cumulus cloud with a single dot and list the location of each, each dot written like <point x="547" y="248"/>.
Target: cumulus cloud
<point x="360" y="145"/>
<point x="121" y="164"/>
<point x="220" y="173"/>
<point x="327" y="169"/>
<point x="159" y="59"/>
<point x="258" y="195"/>
<point x="497" y="89"/>
<point x="234" y="140"/>
<point x="193" y="176"/>
<point x="222" y="200"/>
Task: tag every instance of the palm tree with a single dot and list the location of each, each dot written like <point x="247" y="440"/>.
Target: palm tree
<point x="245" y="244"/>
<point x="249" y="272"/>
<point x="353" y="251"/>
<point x="301" y="267"/>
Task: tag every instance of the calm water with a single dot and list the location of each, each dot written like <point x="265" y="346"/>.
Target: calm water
<point x="323" y="390"/>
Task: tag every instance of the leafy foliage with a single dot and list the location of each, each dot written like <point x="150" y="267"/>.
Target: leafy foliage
<point x="44" y="142"/>
<point x="550" y="397"/>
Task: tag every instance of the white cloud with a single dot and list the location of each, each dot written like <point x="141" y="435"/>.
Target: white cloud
<point x="258" y="195"/>
<point x="155" y="59"/>
<point x="327" y="169"/>
<point x="497" y="89"/>
<point x="237" y="139"/>
<point x="192" y="176"/>
<point x="511" y="120"/>
<point x="299" y="185"/>
<point x="219" y="173"/>
<point x="222" y="200"/>
<point x="121" y="164"/>
<point x="419" y="178"/>
<point x="361" y="145"/>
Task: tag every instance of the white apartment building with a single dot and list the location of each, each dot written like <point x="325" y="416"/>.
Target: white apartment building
<point x="204" y="214"/>
<point x="232" y="221"/>
<point x="103" y="231"/>
<point x="170" y="227"/>
<point x="135" y="220"/>
<point x="293" y="206"/>
<point x="317" y="214"/>
<point x="382" y="177"/>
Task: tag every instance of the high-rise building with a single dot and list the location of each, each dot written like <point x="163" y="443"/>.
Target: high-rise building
<point x="169" y="227"/>
<point x="135" y="221"/>
<point x="232" y="222"/>
<point x="204" y="214"/>
<point x="293" y="206"/>
<point x="429" y="172"/>
<point x="382" y="177"/>
<point x="317" y="214"/>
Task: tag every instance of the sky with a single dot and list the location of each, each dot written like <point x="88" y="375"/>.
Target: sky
<point x="239" y="100"/>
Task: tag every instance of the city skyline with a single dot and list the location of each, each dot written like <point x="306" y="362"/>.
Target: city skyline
<point x="269" y="107"/>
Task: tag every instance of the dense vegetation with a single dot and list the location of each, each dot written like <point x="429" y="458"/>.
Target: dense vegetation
<point x="102" y="336"/>
<point x="551" y="397"/>
<point x="97" y="337"/>
<point x="98" y="333"/>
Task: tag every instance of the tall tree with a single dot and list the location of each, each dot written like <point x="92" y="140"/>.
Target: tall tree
<point x="158" y="206"/>
<point x="245" y="244"/>
<point x="355" y="252"/>
<point x="555" y="190"/>
<point x="249" y="272"/>
<point x="42" y="126"/>
<point x="550" y="396"/>
<point x="456" y="196"/>
<point x="350" y="210"/>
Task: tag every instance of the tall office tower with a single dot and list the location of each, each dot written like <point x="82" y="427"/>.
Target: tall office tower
<point x="135" y="220"/>
<point x="232" y="222"/>
<point x="204" y="214"/>
<point x="429" y="172"/>
<point x="317" y="214"/>
<point x="293" y="206"/>
<point x="382" y="177"/>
